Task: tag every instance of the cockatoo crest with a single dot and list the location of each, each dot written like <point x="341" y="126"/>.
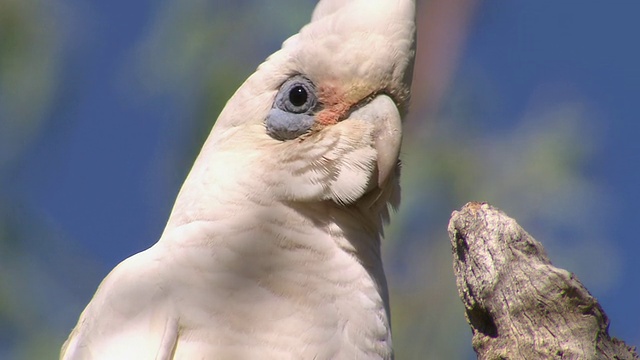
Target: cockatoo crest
<point x="272" y="250"/>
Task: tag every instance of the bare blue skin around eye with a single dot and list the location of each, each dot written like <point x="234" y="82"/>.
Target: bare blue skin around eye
<point x="284" y="125"/>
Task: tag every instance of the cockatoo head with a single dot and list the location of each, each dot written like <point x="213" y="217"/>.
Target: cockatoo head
<point x="321" y="118"/>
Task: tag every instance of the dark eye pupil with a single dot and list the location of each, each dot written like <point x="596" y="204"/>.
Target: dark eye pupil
<point x="298" y="96"/>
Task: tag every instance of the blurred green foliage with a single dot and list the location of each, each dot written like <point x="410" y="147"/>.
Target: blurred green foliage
<point x="30" y="60"/>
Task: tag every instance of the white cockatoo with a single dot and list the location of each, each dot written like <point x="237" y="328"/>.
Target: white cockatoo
<point x="272" y="250"/>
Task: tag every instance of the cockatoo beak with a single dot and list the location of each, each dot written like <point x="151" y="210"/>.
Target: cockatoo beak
<point x="383" y="113"/>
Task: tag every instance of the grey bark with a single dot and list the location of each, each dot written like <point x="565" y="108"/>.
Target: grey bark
<point x="520" y="306"/>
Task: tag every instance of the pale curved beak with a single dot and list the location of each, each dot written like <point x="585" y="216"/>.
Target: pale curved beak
<point x="383" y="113"/>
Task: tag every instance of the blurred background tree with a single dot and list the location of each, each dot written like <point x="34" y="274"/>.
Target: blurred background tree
<point x="86" y="180"/>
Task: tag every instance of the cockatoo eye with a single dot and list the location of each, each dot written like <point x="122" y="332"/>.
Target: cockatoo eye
<point x="293" y="108"/>
<point x="297" y="95"/>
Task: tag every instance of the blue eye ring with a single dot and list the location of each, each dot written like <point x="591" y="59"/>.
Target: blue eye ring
<point x="293" y="108"/>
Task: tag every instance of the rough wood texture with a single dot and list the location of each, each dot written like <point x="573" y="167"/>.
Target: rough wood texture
<point x="520" y="306"/>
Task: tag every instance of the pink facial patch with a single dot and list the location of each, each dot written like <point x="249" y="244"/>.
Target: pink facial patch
<point x="335" y="106"/>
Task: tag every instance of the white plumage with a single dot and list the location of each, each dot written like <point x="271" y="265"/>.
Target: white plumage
<point x="272" y="250"/>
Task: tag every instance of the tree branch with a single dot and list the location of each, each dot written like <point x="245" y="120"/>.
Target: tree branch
<point x="520" y="306"/>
